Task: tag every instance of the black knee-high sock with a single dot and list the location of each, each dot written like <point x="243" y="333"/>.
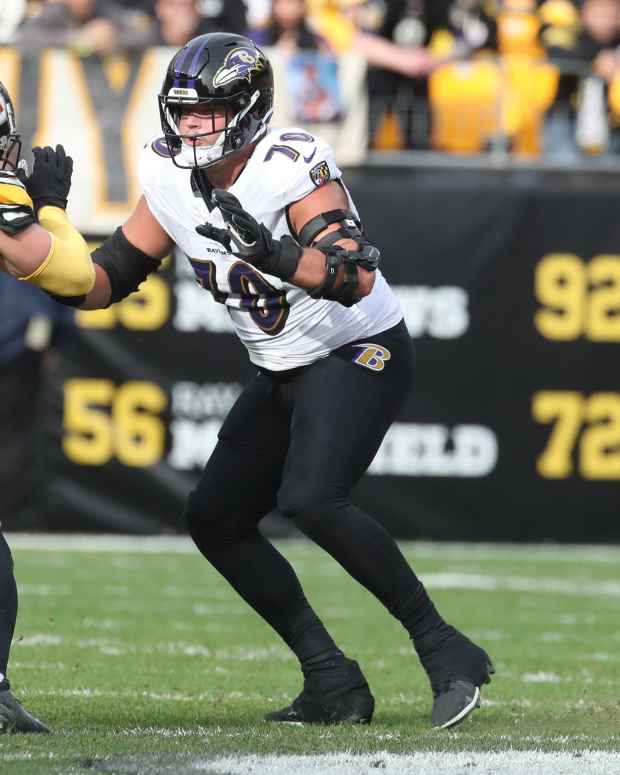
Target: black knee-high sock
<point x="267" y="582"/>
<point x="370" y="554"/>
<point x="8" y="603"/>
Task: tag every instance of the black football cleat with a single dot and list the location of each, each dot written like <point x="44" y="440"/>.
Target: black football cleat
<point x="339" y="696"/>
<point x="452" y="705"/>
<point x="456" y="669"/>
<point x="15" y="718"/>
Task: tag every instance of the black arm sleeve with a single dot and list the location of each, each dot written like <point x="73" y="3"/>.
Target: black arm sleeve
<point x="68" y="301"/>
<point x="125" y="264"/>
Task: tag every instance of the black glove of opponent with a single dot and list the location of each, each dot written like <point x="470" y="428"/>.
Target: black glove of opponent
<point x="50" y="180"/>
<point x="252" y="241"/>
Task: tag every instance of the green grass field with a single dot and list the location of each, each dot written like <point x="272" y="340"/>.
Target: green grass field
<point x="144" y="661"/>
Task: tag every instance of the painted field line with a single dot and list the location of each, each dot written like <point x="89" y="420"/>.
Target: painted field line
<point x="490" y="582"/>
<point x="508" y="763"/>
<point x="178" y="544"/>
<point x="155" y="545"/>
<point x="104" y="543"/>
<point x="511" y="762"/>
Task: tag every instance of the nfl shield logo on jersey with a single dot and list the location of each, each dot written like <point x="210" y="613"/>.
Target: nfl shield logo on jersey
<point x="320" y="174"/>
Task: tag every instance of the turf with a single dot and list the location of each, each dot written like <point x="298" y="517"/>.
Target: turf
<point x="127" y="653"/>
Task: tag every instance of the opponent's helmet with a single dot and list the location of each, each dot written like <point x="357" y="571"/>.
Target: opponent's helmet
<point x="217" y="68"/>
<point x="10" y="140"/>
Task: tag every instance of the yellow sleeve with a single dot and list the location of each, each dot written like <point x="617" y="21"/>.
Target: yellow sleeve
<point x="68" y="269"/>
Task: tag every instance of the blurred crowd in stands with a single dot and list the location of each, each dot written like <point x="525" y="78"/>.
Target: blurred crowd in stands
<point x="527" y="76"/>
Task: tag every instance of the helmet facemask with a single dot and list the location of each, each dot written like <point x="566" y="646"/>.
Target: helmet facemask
<point x="10" y="139"/>
<point x="239" y="127"/>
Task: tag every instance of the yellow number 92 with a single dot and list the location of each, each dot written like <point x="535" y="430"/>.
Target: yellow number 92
<point x="578" y="298"/>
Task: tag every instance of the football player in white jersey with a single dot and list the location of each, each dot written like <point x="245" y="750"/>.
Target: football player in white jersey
<point x="37" y="245"/>
<point x="272" y="233"/>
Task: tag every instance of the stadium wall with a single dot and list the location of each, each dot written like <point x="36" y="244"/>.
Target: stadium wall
<point x="510" y="286"/>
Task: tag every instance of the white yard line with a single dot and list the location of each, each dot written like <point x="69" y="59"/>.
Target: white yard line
<point x="510" y="762"/>
<point x="75" y="542"/>
<point x="154" y="545"/>
<point x="490" y="582"/>
<point x="507" y="763"/>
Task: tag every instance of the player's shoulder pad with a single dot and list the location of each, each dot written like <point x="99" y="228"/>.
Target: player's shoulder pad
<point x="16" y="211"/>
<point x="12" y="190"/>
<point x="160" y="147"/>
<point x="298" y="162"/>
<point x="153" y="163"/>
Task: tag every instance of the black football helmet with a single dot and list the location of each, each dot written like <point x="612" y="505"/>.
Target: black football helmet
<point x="10" y="140"/>
<point x="219" y="69"/>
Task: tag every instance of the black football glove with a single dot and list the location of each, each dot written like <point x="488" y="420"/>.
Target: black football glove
<point x="213" y="232"/>
<point x="50" y="180"/>
<point x="252" y="241"/>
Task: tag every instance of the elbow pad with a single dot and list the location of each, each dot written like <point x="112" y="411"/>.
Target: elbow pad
<point x="126" y="265"/>
<point x="366" y="256"/>
<point x="345" y="294"/>
<point x="68" y="270"/>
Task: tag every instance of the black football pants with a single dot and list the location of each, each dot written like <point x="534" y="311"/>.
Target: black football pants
<point x="8" y="603"/>
<point x="299" y="442"/>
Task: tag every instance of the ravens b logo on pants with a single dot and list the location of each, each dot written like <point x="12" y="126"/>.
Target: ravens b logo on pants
<point x="373" y="357"/>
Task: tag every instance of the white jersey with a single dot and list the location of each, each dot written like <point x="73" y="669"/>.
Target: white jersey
<point x="279" y="323"/>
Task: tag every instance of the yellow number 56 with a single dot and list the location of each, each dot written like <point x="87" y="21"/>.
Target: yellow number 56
<point x="102" y="421"/>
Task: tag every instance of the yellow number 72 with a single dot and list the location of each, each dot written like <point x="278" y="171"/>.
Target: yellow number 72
<point x="599" y="445"/>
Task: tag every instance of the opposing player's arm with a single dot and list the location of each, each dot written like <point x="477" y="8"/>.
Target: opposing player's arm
<point x="311" y="269"/>
<point x="23" y="252"/>
<point x="126" y="258"/>
<point x="52" y="255"/>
